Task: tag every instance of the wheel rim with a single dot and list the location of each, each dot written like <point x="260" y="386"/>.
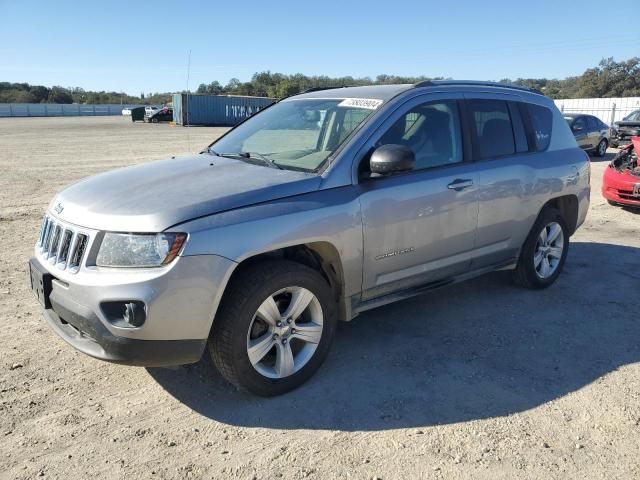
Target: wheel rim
<point x="602" y="148"/>
<point x="548" y="251"/>
<point x="285" y="332"/>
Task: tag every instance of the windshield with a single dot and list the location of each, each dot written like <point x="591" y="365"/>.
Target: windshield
<point x="296" y="134"/>
<point x="632" y="117"/>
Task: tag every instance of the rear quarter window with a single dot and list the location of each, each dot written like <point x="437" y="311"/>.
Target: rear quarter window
<point x="541" y="120"/>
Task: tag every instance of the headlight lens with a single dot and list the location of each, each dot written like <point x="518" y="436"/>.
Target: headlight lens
<point x="139" y="250"/>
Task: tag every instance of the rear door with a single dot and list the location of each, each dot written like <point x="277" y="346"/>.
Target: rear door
<point x="581" y="132"/>
<point x="594" y="130"/>
<point x="502" y="153"/>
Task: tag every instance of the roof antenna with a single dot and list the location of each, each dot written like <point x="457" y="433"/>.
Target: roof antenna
<point x="187" y="101"/>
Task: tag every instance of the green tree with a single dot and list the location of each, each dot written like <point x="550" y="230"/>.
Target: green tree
<point x="59" y="95"/>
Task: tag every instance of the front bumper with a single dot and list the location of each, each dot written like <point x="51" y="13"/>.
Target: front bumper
<point x="618" y="187"/>
<point x="180" y="302"/>
<point x="88" y="336"/>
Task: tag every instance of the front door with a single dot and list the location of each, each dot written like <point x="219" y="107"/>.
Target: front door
<point x="419" y="226"/>
<point x="581" y="132"/>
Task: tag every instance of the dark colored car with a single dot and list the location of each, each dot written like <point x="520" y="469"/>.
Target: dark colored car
<point x="163" y="115"/>
<point x="622" y="130"/>
<point x="591" y="133"/>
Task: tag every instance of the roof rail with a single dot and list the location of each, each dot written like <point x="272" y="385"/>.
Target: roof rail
<point x="318" y="89"/>
<point x="309" y="90"/>
<point x="435" y="83"/>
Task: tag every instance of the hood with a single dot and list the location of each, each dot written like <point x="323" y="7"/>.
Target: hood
<point x="155" y="196"/>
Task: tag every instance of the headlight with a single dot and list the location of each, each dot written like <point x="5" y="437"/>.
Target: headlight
<point x="139" y="250"/>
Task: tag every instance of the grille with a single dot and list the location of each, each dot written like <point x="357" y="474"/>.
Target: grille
<point x="61" y="245"/>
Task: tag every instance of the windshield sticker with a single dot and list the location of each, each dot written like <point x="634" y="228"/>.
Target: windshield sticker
<point x="369" y="103"/>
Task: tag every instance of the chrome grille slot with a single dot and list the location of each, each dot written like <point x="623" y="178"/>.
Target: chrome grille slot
<point x="78" y="251"/>
<point x="43" y="230"/>
<point x="61" y="245"/>
<point x="47" y="238"/>
<point x="55" y="241"/>
<point x="65" y="245"/>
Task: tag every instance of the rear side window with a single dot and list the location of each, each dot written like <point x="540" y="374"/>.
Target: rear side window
<point x="541" y="118"/>
<point x="519" y="131"/>
<point x="493" y="129"/>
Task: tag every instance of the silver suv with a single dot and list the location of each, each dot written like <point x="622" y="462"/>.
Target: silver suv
<point x="320" y="207"/>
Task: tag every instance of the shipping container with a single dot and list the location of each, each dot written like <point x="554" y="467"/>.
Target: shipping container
<point x="59" y="109"/>
<point x="189" y="109"/>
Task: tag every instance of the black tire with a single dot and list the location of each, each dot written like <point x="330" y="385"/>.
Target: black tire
<point x="601" y="148"/>
<point x="154" y="120"/>
<point x="525" y="274"/>
<point x="248" y="289"/>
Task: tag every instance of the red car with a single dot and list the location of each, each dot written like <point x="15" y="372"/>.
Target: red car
<point x="621" y="182"/>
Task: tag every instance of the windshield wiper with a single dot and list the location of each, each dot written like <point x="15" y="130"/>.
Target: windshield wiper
<point x="264" y="158"/>
<point x="249" y="155"/>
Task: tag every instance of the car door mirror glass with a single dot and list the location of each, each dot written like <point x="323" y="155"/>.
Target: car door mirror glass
<point x="392" y="158"/>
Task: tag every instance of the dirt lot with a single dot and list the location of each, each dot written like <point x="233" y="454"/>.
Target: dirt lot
<point x="480" y="380"/>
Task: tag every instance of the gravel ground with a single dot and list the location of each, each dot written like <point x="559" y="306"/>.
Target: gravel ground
<point x="480" y="380"/>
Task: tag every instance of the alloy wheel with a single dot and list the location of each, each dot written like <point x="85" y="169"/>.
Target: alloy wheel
<point x="602" y="148"/>
<point x="548" y="250"/>
<point x="285" y="332"/>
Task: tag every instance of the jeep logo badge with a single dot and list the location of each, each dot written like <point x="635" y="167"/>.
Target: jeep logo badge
<point x="58" y="208"/>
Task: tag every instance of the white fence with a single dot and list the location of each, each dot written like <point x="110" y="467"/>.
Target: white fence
<point x="58" y="110"/>
<point x="608" y="110"/>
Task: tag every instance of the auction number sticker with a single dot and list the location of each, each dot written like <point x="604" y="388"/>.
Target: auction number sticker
<point x="369" y="103"/>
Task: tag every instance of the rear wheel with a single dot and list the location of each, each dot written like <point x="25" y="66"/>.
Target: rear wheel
<point x="601" y="149"/>
<point x="274" y="328"/>
<point x="544" y="252"/>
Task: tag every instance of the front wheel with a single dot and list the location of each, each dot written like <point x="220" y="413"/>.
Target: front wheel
<point x="544" y="251"/>
<point x="274" y="327"/>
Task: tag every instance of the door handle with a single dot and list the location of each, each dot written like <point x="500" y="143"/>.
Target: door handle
<point x="460" y="184"/>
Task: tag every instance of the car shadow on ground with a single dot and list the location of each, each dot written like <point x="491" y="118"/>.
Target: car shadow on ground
<point x="610" y="155"/>
<point x="476" y="350"/>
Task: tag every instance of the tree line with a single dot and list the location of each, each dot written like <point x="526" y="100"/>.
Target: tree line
<point x="25" y="93"/>
<point x="608" y="79"/>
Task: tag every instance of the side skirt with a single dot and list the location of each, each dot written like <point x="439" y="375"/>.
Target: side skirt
<point x="420" y="289"/>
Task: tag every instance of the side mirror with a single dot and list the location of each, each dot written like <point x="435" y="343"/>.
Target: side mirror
<point x="576" y="128"/>
<point x="392" y="158"/>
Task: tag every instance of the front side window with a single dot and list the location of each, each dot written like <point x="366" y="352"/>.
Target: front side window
<point x="493" y="128"/>
<point x="432" y="131"/>
<point x="296" y="134"/>
<point x="580" y="125"/>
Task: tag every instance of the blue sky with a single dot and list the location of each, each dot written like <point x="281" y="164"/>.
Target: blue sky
<point x="136" y="46"/>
